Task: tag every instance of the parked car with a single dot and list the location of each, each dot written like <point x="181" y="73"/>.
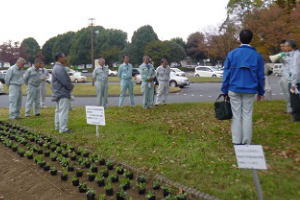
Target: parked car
<point x="84" y="71"/>
<point x="112" y="73"/>
<point x="77" y="77"/>
<point x="1" y="88"/>
<point x="178" y="81"/>
<point x="177" y="71"/>
<point x="208" y="71"/>
<point x="2" y="76"/>
<point x="277" y="69"/>
<point x="136" y="75"/>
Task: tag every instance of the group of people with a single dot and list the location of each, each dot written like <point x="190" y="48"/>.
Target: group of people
<point x="35" y="78"/>
<point x="244" y="78"/>
<point x="149" y="77"/>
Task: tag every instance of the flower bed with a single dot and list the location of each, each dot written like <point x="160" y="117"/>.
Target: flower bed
<point x="90" y="173"/>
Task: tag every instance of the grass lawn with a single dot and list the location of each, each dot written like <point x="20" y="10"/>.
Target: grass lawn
<point x="89" y="90"/>
<point x="185" y="143"/>
<point x="204" y="79"/>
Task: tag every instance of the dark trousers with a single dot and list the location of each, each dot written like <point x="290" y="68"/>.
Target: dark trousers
<point x="295" y="104"/>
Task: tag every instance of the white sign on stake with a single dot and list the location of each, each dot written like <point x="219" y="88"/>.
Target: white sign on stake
<point x="95" y="115"/>
<point x="250" y="156"/>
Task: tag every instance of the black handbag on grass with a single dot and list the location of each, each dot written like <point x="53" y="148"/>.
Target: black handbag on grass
<point x="223" y="108"/>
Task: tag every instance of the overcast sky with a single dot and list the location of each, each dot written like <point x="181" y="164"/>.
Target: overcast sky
<point x="43" y="19"/>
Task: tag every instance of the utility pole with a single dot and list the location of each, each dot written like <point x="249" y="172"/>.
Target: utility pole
<point x="92" y="45"/>
<point x="92" y="41"/>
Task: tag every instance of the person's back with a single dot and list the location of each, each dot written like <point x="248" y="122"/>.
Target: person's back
<point x="61" y="82"/>
<point x="243" y="79"/>
<point x="246" y="68"/>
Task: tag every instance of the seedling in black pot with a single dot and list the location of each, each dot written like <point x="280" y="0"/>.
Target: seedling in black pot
<point x="113" y="178"/>
<point x="141" y="188"/>
<point x="150" y="196"/>
<point x="141" y="179"/>
<point x="100" y="181"/>
<point x="82" y="188"/>
<point x="109" y="190"/>
<point x="120" y="170"/>
<point x="156" y="185"/>
<point x="75" y="181"/>
<point x="109" y="165"/>
<point x="121" y="195"/>
<point x="166" y="191"/>
<point x="29" y="154"/>
<point x="90" y="195"/>
<point x="94" y="168"/>
<point x="79" y="172"/>
<point x="64" y="176"/>
<point x="129" y="174"/>
<point x="53" y="171"/>
<point x="91" y="176"/>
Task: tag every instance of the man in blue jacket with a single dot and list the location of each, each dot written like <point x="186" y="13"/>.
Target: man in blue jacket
<point x="61" y="88"/>
<point x="243" y="79"/>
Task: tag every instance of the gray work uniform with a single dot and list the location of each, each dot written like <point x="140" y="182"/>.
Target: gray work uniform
<point x="32" y="79"/>
<point x="14" y="80"/>
<point x="45" y="76"/>
<point x="163" y="78"/>
<point x="147" y="72"/>
<point x="285" y="79"/>
<point x="125" y="74"/>
<point x="100" y="75"/>
<point x="61" y="88"/>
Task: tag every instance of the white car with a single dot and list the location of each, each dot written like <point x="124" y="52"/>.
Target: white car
<point x="1" y="89"/>
<point x="208" y="71"/>
<point x="2" y="76"/>
<point x="112" y="73"/>
<point x="177" y="71"/>
<point x="178" y="81"/>
<point x="77" y="77"/>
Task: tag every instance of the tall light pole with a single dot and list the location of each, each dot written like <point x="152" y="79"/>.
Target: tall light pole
<point x="92" y="41"/>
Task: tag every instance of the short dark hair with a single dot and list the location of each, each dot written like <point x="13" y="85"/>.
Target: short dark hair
<point x="291" y="43"/>
<point x="58" y="56"/>
<point x="163" y="60"/>
<point x="38" y="60"/>
<point x="124" y="56"/>
<point x="246" y="36"/>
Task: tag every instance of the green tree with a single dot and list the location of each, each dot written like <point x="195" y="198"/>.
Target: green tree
<point x="63" y="43"/>
<point x="179" y="41"/>
<point x="47" y="50"/>
<point x="106" y="42"/>
<point x="139" y="40"/>
<point x="164" y="49"/>
<point x="29" y="49"/>
<point x="196" y="46"/>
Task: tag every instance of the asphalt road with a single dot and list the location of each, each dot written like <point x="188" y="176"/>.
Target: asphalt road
<point x="196" y="92"/>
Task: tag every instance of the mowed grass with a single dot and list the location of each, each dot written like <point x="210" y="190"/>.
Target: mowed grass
<point x="185" y="143"/>
<point x="89" y="90"/>
<point x="204" y="79"/>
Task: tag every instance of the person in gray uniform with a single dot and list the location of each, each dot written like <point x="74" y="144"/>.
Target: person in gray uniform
<point x="125" y="74"/>
<point x="100" y="76"/>
<point x="61" y="88"/>
<point x="147" y="75"/>
<point x="33" y="80"/>
<point x="14" y="80"/>
<point x="45" y="76"/>
<point x="163" y="77"/>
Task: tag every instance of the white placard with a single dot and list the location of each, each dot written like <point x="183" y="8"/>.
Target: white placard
<point x="95" y="115"/>
<point x="250" y="156"/>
